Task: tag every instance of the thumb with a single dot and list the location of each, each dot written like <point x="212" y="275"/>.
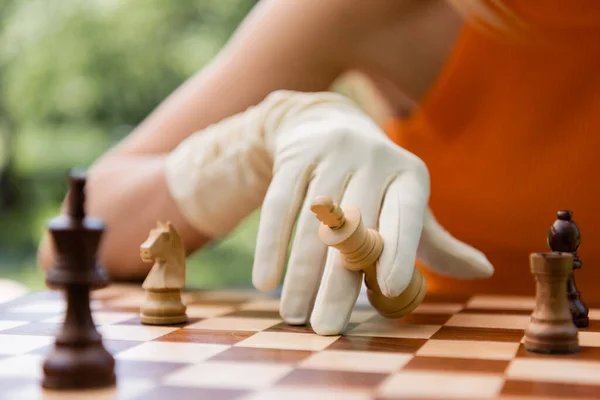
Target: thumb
<point x="444" y="254"/>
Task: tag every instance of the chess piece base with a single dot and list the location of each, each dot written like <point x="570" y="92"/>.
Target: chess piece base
<point x="74" y="367"/>
<point x="163" y="307"/>
<point x="551" y="337"/>
<point x="552" y="346"/>
<point x="401" y="305"/>
<point x="583" y="322"/>
<point x="163" y="320"/>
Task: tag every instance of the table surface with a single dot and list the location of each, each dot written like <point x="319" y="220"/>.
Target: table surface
<point x="235" y="346"/>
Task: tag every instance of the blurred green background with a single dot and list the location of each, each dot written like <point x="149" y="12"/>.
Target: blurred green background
<point x="76" y="76"/>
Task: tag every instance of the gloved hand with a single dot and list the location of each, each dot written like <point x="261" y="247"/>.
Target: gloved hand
<point x="288" y="150"/>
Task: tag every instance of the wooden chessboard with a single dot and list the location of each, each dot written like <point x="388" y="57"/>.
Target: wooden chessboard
<point x="235" y="346"/>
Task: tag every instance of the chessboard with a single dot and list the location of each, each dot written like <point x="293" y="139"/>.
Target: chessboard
<point x="235" y="346"/>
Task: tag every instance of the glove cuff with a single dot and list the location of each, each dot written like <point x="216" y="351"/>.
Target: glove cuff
<point x="215" y="193"/>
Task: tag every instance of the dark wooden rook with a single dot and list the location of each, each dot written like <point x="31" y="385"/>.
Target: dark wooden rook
<point x="79" y="359"/>
<point x="564" y="236"/>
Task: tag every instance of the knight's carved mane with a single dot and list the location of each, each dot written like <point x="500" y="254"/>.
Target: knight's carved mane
<point x="177" y="252"/>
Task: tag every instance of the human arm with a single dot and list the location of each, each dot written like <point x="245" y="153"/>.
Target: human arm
<point x="303" y="46"/>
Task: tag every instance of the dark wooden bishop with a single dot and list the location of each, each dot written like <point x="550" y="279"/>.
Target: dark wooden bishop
<point x="79" y="359"/>
<point x="564" y="236"/>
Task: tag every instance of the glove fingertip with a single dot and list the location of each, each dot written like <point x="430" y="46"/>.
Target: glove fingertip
<point x="327" y="326"/>
<point x="484" y="267"/>
<point x="263" y="281"/>
<point x="395" y="282"/>
<point x="291" y="314"/>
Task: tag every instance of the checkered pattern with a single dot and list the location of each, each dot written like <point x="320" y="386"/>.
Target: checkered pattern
<point x="235" y="346"/>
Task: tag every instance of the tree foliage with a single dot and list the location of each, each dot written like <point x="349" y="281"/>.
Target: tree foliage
<point x="78" y="75"/>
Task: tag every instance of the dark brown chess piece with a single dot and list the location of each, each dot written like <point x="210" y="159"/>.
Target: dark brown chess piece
<point x="564" y="236"/>
<point x="79" y="359"/>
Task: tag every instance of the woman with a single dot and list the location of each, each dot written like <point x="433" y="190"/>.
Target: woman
<point x="505" y="119"/>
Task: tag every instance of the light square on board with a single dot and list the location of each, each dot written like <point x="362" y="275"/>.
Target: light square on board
<point x="223" y="374"/>
<point x="288" y="341"/>
<point x="429" y="319"/>
<point x="555" y="370"/>
<point x="21" y="388"/>
<point x="134" y="332"/>
<point x="500" y="321"/>
<point x="8" y="315"/>
<point x="154" y="370"/>
<point x="308" y="393"/>
<point x="22" y="366"/>
<point x="529" y="390"/>
<point x="126" y="389"/>
<point x="18" y="344"/>
<point x="207" y="310"/>
<point x="359" y="316"/>
<point x="6" y="324"/>
<point x="238" y="296"/>
<point x="448" y="385"/>
<point x="99" y="317"/>
<point x="34" y="329"/>
<point x="112" y="346"/>
<point x="129" y="300"/>
<point x="117" y="346"/>
<point x="189" y="393"/>
<point x="12" y="385"/>
<point x="109" y="317"/>
<point x="172" y="352"/>
<point x="589" y="339"/>
<point x="235" y="324"/>
<point x="115" y="290"/>
<point x="356" y="361"/>
<point x="46" y="306"/>
<point x="594" y="314"/>
<point x="258" y="314"/>
<point x="469" y="349"/>
<point x="389" y="328"/>
<point x="262" y="305"/>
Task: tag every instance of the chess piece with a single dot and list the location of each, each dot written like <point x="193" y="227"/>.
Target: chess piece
<point x="163" y="285"/>
<point x="79" y="359"/>
<point x="360" y="249"/>
<point x="564" y="236"/>
<point x="551" y="329"/>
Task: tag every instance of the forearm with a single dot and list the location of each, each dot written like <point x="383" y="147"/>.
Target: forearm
<point x="129" y="194"/>
<point x="281" y="45"/>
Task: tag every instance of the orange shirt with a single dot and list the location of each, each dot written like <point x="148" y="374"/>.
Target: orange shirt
<point x="511" y="134"/>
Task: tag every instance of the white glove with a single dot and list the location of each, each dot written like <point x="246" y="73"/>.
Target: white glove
<point x="289" y="149"/>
